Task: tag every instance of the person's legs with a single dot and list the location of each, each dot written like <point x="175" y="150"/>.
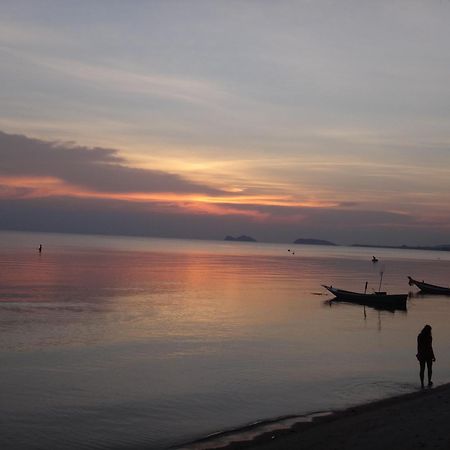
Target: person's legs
<point x="430" y="371"/>
<point x="422" y="371"/>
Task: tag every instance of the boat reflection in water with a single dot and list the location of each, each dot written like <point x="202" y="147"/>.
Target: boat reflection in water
<point x="376" y="300"/>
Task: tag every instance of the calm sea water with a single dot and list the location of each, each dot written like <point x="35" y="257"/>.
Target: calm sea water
<point x="114" y="342"/>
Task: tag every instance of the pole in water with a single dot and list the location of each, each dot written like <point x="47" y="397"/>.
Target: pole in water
<point x="365" y="290"/>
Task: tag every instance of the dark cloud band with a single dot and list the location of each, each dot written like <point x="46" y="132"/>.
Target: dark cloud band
<point x="98" y="169"/>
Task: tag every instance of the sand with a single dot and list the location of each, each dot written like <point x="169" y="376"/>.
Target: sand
<point x="420" y="420"/>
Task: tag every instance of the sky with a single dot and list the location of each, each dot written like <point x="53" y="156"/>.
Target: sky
<point x="200" y="119"/>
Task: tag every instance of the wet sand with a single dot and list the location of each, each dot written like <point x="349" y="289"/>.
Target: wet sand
<point x="419" y="420"/>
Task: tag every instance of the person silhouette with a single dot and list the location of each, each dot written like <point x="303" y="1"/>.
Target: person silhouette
<point x="40" y="248"/>
<point x="425" y="353"/>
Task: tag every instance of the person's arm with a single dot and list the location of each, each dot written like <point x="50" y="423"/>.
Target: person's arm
<point x="431" y="348"/>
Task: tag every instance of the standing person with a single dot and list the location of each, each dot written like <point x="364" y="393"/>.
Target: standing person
<point x="425" y="353"/>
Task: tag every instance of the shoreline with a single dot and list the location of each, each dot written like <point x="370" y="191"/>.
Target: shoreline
<point x="415" y="420"/>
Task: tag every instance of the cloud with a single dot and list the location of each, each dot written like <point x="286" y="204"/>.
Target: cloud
<point x="97" y="169"/>
<point x="36" y="168"/>
<point x="60" y="186"/>
<point x="111" y="79"/>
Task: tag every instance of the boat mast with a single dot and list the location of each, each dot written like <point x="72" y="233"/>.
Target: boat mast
<point x="381" y="279"/>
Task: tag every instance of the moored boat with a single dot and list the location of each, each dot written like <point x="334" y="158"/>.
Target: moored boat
<point x="376" y="299"/>
<point x="429" y="288"/>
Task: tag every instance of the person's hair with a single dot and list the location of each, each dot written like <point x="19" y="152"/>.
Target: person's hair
<point x="426" y="330"/>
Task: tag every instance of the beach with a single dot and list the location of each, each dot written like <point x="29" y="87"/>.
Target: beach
<point x="418" y="420"/>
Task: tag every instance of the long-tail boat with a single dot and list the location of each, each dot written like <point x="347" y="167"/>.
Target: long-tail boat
<point x="429" y="288"/>
<point x="375" y="299"/>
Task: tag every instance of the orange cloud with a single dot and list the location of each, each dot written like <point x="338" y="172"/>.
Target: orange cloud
<point x="31" y="187"/>
<point x="39" y="187"/>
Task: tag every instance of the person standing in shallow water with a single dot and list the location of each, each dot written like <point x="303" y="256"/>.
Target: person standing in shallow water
<point x="425" y="353"/>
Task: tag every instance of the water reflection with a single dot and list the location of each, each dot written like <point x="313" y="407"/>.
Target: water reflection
<point x="369" y="304"/>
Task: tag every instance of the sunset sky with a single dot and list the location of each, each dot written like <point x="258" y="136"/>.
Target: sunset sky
<point x="197" y="119"/>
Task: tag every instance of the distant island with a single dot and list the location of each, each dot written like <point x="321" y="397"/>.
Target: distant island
<point x="242" y="238"/>
<point x="442" y="248"/>
<point x="313" y="242"/>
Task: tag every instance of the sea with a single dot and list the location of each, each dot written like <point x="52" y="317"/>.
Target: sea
<point x="142" y="343"/>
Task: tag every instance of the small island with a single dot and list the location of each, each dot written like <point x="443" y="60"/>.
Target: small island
<point x="313" y="242"/>
<point x="242" y="238"/>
